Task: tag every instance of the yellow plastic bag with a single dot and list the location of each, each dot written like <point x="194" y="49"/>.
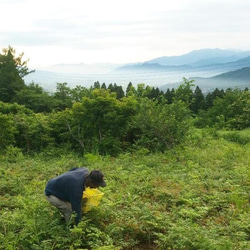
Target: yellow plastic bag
<point x="91" y="198"/>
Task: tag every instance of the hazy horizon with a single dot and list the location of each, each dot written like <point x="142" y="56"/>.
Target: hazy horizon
<point x="119" y="32"/>
<point x="79" y="75"/>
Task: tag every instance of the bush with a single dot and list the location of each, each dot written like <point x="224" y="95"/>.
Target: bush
<point x="161" y="126"/>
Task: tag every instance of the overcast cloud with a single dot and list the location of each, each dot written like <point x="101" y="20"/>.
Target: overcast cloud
<point x="97" y="31"/>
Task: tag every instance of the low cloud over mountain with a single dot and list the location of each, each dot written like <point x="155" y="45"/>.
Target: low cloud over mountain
<point x="164" y="71"/>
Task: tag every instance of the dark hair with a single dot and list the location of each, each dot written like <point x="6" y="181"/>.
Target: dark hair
<point x="97" y="178"/>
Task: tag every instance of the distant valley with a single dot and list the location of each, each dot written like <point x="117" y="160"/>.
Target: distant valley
<point x="210" y="68"/>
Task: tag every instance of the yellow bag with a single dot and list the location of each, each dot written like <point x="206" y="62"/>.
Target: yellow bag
<point x="91" y="198"/>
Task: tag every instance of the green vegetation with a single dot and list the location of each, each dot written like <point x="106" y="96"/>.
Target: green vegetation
<point x="194" y="196"/>
<point x="176" y="164"/>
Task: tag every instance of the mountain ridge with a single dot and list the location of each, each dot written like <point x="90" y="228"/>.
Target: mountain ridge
<point x="152" y="74"/>
<point x="199" y="55"/>
<point x="233" y="79"/>
<point x="243" y="61"/>
<point x="236" y="75"/>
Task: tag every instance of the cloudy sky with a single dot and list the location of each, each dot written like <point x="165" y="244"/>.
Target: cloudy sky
<point x="118" y="31"/>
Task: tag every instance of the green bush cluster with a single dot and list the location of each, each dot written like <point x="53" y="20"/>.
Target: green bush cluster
<point x="106" y="125"/>
<point x="106" y="120"/>
<point x="99" y="124"/>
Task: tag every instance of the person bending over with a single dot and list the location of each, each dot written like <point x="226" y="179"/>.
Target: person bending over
<point x="65" y="191"/>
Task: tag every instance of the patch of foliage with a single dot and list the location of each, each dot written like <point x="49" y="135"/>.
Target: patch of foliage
<point x="241" y="137"/>
<point x="194" y="196"/>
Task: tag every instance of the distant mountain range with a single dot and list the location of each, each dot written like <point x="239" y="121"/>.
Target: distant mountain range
<point x="202" y="57"/>
<point x="193" y="61"/>
<point x="233" y="79"/>
<point x="210" y="68"/>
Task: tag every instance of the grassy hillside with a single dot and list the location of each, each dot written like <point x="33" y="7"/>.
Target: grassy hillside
<point x="191" y="197"/>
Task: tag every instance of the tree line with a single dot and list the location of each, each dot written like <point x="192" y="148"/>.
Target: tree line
<point x="106" y="119"/>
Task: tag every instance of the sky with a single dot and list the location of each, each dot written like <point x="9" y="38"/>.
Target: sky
<point x="117" y="31"/>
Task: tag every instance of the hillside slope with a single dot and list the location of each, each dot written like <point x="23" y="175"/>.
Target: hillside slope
<point x="233" y="79"/>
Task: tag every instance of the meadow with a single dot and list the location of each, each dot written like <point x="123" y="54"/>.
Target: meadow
<point x="194" y="196"/>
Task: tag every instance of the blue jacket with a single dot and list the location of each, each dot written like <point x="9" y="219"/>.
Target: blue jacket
<point x="69" y="187"/>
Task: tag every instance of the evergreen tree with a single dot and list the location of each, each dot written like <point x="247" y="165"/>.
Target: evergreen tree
<point x="169" y="96"/>
<point x="209" y="100"/>
<point x="130" y="89"/>
<point x="119" y="91"/>
<point x="111" y="87"/>
<point x="218" y="93"/>
<point x="157" y="94"/>
<point x="148" y="92"/>
<point x="198" y="100"/>
<point x="12" y="71"/>
<point x="173" y="93"/>
<point x="97" y="85"/>
<point x="103" y="86"/>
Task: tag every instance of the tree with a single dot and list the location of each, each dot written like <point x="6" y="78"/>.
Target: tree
<point x="99" y="123"/>
<point x="12" y="71"/>
<point x="140" y="90"/>
<point x="130" y="90"/>
<point x="184" y="92"/>
<point x="154" y="93"/>
<point x="35" y="98"/>
<point x="241" y="109"/>
<point x="63" y="96"/>
<point x="230" y="111"/>
<point x="159" y="126"/>
<point x="169" y="95"/>
<point x="97" y="85"/>
<point x="22" y="128"/>
<point x="33" y="132"/>
<point x="212" y="96"/>
<point x="79" y="92"/>
<point x="103" y="86"/>
<point x="198" y="100"/>
<point x="148" y="92"/>
<point x="117" y="89"/>
<point x="157" y="94"/>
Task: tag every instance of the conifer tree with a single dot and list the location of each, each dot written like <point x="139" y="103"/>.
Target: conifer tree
<point x="12" y="71"/>
<point x="198" y="100"/>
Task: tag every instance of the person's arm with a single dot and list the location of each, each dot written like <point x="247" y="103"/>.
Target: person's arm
<point x="76" y="207"/>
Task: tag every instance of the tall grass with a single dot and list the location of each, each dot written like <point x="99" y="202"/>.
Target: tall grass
<point x="195" y="196"/>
